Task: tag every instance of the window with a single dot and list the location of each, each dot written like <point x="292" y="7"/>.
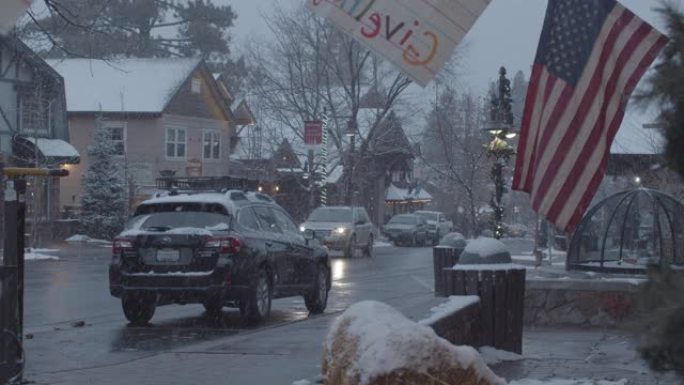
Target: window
<point x="196" y="85"/>
<point x="117" y="134"/>
<point x="247" y="219"/>
<point x="284" y="222"/>
<point x="266" y="219"/>
<point x="35" y="114"/>
<point x="211" y="145"/>
<point x="175" y="143"/>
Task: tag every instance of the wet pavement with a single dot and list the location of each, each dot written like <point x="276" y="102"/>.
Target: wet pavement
<point x="75" y="327"/>
<point x="186" y="346"/>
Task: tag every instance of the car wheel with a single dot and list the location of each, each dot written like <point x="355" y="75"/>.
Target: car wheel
<point x="351" y="247"/>
<point x="368" y="250"/>
<point x="257" y="307"/>
<point x="317" y="299"/>
<point x="138" y="309"/>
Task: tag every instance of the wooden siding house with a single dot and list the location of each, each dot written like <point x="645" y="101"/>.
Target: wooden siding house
<point x="167" y="117"/>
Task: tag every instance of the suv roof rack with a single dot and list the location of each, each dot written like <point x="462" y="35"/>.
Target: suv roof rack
<point x="260" y="196"/>
<point x="206" y="184"/>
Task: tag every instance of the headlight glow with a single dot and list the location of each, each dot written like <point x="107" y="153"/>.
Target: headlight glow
<point x="341" y="230"/>
<point x="302" y="228"/>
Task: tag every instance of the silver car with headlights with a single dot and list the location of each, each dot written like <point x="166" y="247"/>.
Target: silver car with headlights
<point x="343" y="228"/>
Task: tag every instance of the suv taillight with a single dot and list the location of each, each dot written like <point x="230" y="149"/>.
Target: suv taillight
<point x="225" y="245"/>
<point x="120" y="244"/>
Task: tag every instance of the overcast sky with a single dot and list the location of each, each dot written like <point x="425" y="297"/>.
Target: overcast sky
<point x="506" y="34"/>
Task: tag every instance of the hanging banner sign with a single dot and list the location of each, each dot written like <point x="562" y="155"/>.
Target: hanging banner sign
<point x="313" y="133"/>
<point x="418" y="36"/>
<point x="10" y="12"/>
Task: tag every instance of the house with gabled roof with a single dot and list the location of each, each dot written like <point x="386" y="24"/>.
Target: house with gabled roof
<point x="166" y="116"/>
<point x="33" y="126"/>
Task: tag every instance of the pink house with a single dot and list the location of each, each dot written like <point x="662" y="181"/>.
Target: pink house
<point x="165" y="116"/>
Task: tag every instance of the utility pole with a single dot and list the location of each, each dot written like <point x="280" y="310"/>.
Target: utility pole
<point x="351" y="133"/>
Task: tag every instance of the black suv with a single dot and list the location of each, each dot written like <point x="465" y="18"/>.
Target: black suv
<point x="219" y="249"/>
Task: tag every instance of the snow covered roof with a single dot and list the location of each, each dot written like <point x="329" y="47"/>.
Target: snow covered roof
<point x="395" y="193"/>
<point x="55" y="148"/>
<point x="130" y="85"/>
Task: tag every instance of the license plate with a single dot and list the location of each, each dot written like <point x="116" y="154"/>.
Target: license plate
<point x="168" y="256"/>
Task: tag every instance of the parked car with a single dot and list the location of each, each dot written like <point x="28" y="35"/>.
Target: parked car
<point x="218" y="249"/>
<point x="342" y="228"/>
<point x="438" y="225"/>
<point x="407" y="229"/>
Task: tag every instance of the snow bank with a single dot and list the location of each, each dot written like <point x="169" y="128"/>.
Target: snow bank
<point x="302" y="382"/>
<point x="80" y="238"/>
<point x="452" y="305"/>
<point x="493" y="356"/>
<point x="77" y="238"/>
<point x="33" y="256"/>
<point x="372" y="343"/>
<point x="558" y="381"/>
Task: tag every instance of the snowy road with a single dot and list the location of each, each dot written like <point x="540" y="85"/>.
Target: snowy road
<point x="72" y="323"/>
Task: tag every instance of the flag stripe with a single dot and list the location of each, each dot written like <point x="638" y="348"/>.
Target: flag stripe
<point x="592" y="130"/>
<point x="583" y="192"/>
<point x="558" y="140"/>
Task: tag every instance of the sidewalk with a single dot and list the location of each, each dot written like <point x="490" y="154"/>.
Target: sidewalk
<point x="281" y="355"/>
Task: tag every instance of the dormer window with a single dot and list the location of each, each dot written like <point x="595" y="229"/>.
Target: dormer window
<point x="196" y="85"/>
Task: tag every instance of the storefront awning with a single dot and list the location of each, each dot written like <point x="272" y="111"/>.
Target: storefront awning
<point x="44" y="152"/>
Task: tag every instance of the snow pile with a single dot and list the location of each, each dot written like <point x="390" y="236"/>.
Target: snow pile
<point x="485" y="246"/>
<point x="558" y="381"/>
<point x="77" y="238"/>
<point x="40" y="255"/>
<point x="371" y="343"/>
<point x="80" y="238"/>
<point x="302" y="382"/>
<point x="452" y="305"/>
<point x="490" y="266"/>
<point x="493" y="356"/>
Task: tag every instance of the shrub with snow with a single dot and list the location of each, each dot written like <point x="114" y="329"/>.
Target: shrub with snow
<point x="371" y="344"/>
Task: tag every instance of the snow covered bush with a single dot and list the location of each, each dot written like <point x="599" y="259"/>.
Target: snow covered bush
<point x="372" y="344"/>
<point x="104" y="198"/>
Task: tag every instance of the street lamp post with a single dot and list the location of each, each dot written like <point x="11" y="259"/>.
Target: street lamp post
<point x="351" y="133"/>
<point x="500" y="126"/>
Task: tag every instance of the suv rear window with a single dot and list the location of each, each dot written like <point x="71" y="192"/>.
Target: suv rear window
<point x="181" y="207"/>
<point x="164" y="221"/>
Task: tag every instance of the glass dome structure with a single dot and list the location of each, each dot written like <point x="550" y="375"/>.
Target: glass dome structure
<point x="628" y="231"/>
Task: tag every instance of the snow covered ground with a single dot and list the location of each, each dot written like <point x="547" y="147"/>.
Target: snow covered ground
<point x="80" y="238"/>
<point x="40" y="255"/>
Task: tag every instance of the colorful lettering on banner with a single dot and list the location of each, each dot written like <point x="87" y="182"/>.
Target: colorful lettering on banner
<point x="10" y="12"/>
<point x="418" y="36"/>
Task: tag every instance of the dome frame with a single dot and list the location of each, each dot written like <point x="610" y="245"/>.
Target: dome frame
<point x="628" y="231"/>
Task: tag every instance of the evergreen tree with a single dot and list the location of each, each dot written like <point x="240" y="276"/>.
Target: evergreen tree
<point x="518" y="96"/>
<point x="104" y="200"/>
<point x="666" y="88"/>
<point x="661" y="305"/>
<point x="133" y="28"/>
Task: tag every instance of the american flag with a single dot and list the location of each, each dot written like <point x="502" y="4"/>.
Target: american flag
<point x="591" y="55"/>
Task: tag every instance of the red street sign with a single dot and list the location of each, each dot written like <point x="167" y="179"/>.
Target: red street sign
<point x="313" y="133"/>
